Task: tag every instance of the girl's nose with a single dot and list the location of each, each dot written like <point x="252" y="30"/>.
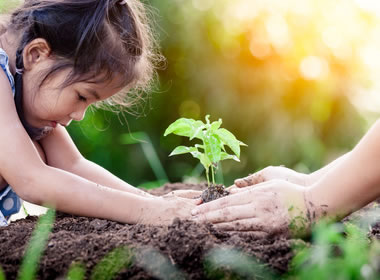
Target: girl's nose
<point x="78" y="115"/>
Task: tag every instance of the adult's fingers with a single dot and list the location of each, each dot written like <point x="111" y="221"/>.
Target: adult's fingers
<point x="226" y="214"/>
<point x="251" y="179"/>
<point x="250" y="224"/>
<point x="233" y="189"/>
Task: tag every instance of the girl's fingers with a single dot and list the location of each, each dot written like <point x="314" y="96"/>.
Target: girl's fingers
<point x="194" y="201"/>
<point x="242" y="197"/>
<point x="186" y="193"/>
<point x="181" y="201"/>
<point x="226" y="214"/>
<point x="230" y="200"/>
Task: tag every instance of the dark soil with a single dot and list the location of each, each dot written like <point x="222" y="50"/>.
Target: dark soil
<point x="214" y="192"/>
<point x="184" y="244"/>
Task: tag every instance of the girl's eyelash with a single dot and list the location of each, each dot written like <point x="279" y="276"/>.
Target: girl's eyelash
<point x="81" y="98"/>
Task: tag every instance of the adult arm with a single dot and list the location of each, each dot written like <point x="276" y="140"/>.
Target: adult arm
<point x="354" y="182"/>
<point x="286" y="174"/>
<point x="278" y="206"/>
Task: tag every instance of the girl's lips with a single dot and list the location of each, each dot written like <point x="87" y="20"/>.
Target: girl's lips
<point x="53" y="124"/>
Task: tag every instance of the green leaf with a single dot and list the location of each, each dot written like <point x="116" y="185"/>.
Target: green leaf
<point x="243" y="144"/>
<point x="215" y="125"/>
<point x="224" y="156"/>
<point x="230" y="140"/>
<point x="202" y="158"/>
<point x="199" y="146"/>
<point x="212" y="147"/>
<point x="185" y="127"/>
<point x="198" y="132"/>
<point x="183" y="150"/>
<point x="207" y="119"/>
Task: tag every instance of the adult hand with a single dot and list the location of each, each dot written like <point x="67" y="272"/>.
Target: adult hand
<point x="163" y="210"/>
<point x="271" y="208"/>
<point x="270" y="173"/>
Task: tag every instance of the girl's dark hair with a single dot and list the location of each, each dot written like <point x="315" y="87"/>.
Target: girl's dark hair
<point x="94" y="39"/>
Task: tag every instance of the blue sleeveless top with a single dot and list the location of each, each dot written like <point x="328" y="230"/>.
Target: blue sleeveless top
<point x="10" y="203"/>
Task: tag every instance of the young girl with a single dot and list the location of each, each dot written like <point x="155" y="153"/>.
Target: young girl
<point x="278" y="200"/>
<point x="58" y="57"/>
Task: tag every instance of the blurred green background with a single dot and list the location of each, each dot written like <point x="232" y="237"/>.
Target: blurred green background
<point x="295" y="80"/>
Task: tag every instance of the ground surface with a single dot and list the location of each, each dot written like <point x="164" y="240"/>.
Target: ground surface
<point x="183" y="243"/>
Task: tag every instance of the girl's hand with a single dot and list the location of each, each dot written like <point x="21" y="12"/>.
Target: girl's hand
<point x="271" y="208"/>
<point x="270" y="173"/>
<point x="192" y="194"/>
<point x="163" y="210"/>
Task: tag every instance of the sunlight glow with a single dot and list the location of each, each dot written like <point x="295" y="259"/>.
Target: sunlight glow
<point x="313" y="67"/>
<point x="203" y="5"/>
<point x="312" y="39"/>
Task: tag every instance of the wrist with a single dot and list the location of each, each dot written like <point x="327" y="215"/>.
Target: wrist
<point x="318" y="209"/>
<point x="300" y="219"/>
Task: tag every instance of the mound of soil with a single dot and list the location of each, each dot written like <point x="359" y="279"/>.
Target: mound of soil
<point x="214" y="192"/>
<point x="184" y="244"/>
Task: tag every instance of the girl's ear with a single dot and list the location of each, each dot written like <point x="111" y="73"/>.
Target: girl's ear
<point x="34" y="52"/>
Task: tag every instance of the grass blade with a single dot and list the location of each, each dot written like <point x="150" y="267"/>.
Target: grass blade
<point x="76" y="272"/>
<point x="2" y="275"/>
<point x="112" y="264"/>
<point x="36" y="246"/>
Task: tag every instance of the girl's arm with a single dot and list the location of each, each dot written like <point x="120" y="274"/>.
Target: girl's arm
<point x="34" y="181"/>
<point x="62" y="153"/>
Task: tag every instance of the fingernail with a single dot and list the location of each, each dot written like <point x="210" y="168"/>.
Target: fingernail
<point x="194" y="212"/>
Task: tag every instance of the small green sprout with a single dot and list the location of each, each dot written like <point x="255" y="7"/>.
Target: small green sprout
<point x="214" y="139"/>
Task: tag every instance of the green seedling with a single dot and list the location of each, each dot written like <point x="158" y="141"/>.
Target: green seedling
<point x="214" y="139"/>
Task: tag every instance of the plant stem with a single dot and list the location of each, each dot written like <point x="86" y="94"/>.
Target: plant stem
<point x="208" y="180"/>
<point x="212" y="174"/>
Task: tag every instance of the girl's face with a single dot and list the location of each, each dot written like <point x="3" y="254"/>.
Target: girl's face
<point x="50" y="105"/>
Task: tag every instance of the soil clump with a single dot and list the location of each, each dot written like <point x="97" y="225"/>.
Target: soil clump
<point x="214" y="192"/>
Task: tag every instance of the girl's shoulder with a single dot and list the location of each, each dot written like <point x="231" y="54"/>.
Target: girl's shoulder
<point x="4" y="65"/>
<point x="4" y="60"/>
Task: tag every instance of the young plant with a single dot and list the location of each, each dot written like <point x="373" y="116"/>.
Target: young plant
<point x="214" y="139"/>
